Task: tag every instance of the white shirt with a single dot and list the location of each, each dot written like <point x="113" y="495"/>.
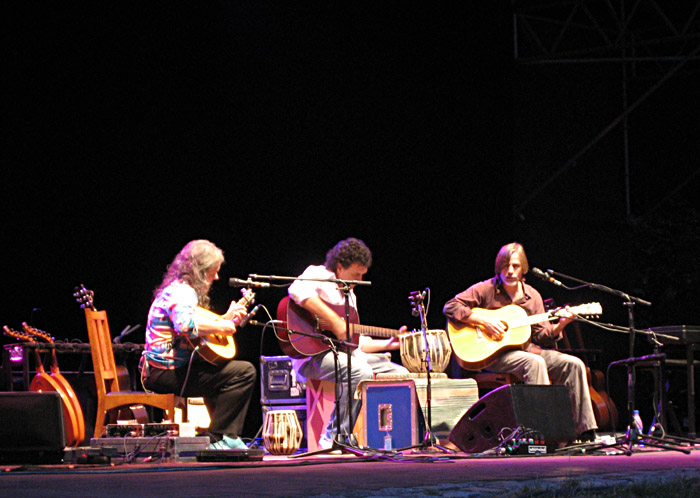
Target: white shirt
<point x="301" y="290"/>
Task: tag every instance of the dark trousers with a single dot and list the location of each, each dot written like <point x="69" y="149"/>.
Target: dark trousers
<point x="226" y="390"/>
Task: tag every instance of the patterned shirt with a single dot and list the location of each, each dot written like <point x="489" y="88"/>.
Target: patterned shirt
<point x="171" y="315"/>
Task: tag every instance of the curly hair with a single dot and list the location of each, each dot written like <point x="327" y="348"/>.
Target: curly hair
<point x="191" y="265"/>
<point x="505" y="253"/>
<point x="346" y="252"/>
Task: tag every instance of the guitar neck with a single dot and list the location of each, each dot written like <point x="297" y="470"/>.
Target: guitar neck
<point x="360" y="329"/>
<point x="584" y="309"/>
<point x="531" y="320"/>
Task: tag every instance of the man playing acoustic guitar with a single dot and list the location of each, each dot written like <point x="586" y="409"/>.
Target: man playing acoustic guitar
<point x="350" y="259"/>
<point x="537" y="363"/>
<point x="179" y="326"/>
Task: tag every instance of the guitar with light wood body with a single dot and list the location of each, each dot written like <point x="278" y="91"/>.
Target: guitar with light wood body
<point x="218" y="348"/>
<point x="475" y="350"/>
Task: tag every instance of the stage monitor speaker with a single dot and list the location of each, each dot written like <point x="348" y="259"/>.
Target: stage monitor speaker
<point x="543" y="408"/>
<point x="31" y="427"/>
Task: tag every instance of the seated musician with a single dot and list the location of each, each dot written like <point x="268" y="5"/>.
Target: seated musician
<point x="538" y="363"/>
<point x="174" y="326"/>
<point x="350" y="259"/>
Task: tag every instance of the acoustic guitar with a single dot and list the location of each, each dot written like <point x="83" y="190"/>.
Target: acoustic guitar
<point x="218" y="348"/>
<point x="43" y="382"/>
<point x="299" y="321"/>
<point x="60" y="379"/>
<point x="603" y="404"/>
<point x="475" y="350"/>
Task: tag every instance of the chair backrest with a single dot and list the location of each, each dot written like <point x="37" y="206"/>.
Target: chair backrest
<point x="104" y="365"/>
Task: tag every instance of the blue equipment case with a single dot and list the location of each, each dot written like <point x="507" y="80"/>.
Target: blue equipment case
<point x="390" y="417"/>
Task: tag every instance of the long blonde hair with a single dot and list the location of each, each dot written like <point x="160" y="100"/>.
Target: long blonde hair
<point x="191" y="265"/>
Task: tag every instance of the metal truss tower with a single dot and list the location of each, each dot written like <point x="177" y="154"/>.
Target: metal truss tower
<point x="650" y="39"/>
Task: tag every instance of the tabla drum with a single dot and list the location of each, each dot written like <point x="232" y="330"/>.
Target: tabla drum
<point x="282" y="432"/>
<point x="412" y="348"/>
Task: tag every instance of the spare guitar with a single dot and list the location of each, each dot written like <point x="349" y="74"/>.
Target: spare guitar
<point x="60" y="379"/>
<point x="474" y="350"/>
<point x="297" y="319"/>
<point x="73" y="423"/>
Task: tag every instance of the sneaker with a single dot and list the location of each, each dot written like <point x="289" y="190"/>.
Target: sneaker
<point x="228" y="443"/>
<point x="325" y="443"/>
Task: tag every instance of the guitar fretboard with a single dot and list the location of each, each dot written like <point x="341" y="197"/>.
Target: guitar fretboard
<point x="358" y="328"/>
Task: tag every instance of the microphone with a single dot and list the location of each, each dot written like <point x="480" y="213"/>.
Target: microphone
<point x="540" y="274"/>
<point x="247" y="318"/>
<point x="128" y="330"/>
<point x="237" y="282"/>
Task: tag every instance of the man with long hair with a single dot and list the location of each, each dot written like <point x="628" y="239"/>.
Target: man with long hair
<point x="171" y="363"/>
<point x="539" y="363"/>
<point x="349" y="259"/>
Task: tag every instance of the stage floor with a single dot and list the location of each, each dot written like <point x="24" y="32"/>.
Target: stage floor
<point x="414" y="473"/>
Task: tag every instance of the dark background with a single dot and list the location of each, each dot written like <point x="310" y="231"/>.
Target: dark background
<point x="276" y="129"/>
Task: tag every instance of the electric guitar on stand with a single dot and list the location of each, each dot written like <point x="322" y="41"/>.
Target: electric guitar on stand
<point x="475" y="351"/>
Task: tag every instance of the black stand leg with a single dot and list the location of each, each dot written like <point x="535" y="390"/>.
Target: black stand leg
<point x="338" y="444"/>
<point x="632" y="437"/>
<point x="429" y="443"/>
<point x="341" y="442"/>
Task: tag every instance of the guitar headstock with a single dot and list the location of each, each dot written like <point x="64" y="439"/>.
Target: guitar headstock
<point x="34" y="332"/>
<point x="22" y="336"/>
<point x="248" y="296"/>
<point x="85" y="297"/>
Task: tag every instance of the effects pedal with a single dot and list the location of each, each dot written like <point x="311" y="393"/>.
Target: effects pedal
<point x="124" y="430"/>
<point x="162" y="429"/>
<point x="526" y="446"/>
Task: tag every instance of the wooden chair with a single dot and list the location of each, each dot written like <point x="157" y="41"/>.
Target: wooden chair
<point x="110" y="396"/>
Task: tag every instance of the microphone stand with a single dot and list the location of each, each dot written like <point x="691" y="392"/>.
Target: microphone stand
<point x="345" y="286"/>
<point x="631" y="437"/>
<point x="429" y="441"/>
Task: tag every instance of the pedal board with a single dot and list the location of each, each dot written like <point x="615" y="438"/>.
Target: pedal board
<point x="249" y="454"/>
<point x="163" y="449"/>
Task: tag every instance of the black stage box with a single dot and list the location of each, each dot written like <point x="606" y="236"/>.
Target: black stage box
<point x="31" y="427"/>
<point x="278" y="382"/>
<point x="543" y="408"/>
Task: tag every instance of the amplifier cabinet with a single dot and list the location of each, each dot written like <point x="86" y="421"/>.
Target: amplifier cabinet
<point x="389" y="417"/>
<point x="31" y="427"/>
<point x="278" y="382"/>
<point x="450" y="400"/>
